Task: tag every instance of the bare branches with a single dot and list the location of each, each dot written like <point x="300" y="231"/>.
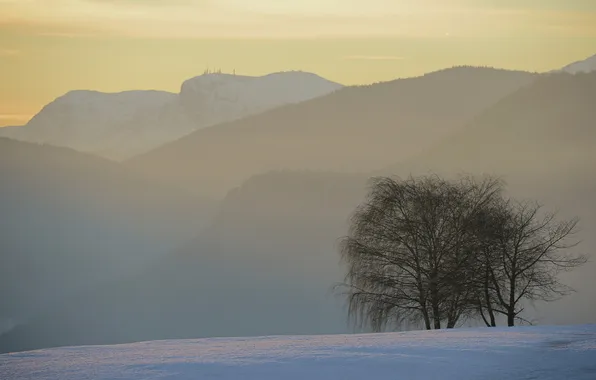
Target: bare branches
<point x="532" y="251"/>
<point x="407" y="250"/>
<point x="437" y="251"/>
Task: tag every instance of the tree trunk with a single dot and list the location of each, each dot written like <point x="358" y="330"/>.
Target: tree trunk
<point x="510" y="318"/>
<point x="436" y="311"/>
<point x="486" y="322"/>
<point x="426" y="318"/>
<point x="511" y="308"/>
<point x="453" y="315"/>
<point x="489" y="306"/>
<point x="437" y="323"/>
<point x="491" y="314"/>
<point x="434" y="300"/>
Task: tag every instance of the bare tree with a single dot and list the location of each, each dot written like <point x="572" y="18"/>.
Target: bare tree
<point x="408" y="251"/>
<point x="522" y="256"/>
<point x="435" y="251"/>
<point x="484" y="241"/>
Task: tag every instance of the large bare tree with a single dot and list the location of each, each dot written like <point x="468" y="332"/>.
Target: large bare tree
<point x="407" y="250"/>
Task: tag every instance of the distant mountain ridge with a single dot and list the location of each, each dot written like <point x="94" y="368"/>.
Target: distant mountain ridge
<point x="562" y="131"/>
<point x="584" y="66"/>
<point x="129" y="123"/>
<point x="355" y="129"/>
<point x="124" y="124"/>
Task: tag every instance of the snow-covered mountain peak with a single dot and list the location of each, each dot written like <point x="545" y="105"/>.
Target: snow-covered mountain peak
<point x="78" y="110"/>
<point x="215" y="98"/>
<point x="231" y="96"/>
<point x="123" y="124"/>
<point x="115" y="105"/>
<point x="136" y="97"/>
<point x="215" y="78"/>
<point x="283" y="78"/>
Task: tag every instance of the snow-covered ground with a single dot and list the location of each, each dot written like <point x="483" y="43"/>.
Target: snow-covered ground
<point x="541" y="353"/>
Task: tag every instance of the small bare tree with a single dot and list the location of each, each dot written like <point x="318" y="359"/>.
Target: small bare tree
<point x="522" y="256"/>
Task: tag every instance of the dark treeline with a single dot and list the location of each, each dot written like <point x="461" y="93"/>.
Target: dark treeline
<point x="440" y="252"/>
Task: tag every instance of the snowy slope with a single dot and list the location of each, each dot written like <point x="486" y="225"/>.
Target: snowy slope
<point x="545" y="353"/>
<point x="121" y="125"/>
<point x="216" y="98"/>
<point x="91" y="121"/>
<point x="585" y="66"/>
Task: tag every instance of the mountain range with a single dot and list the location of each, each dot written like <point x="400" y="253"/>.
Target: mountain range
<point x="356" y="129"/>
<point x="263" y="260"/>
<point x="121" y="125"/>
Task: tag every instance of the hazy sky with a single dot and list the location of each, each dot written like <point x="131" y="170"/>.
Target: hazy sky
<point x="48" y="47"/>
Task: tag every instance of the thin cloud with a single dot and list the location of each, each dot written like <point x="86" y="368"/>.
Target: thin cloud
<point x="374" y="58"/>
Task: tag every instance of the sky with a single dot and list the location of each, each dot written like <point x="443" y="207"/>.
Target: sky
<point x="48" y="47"/>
